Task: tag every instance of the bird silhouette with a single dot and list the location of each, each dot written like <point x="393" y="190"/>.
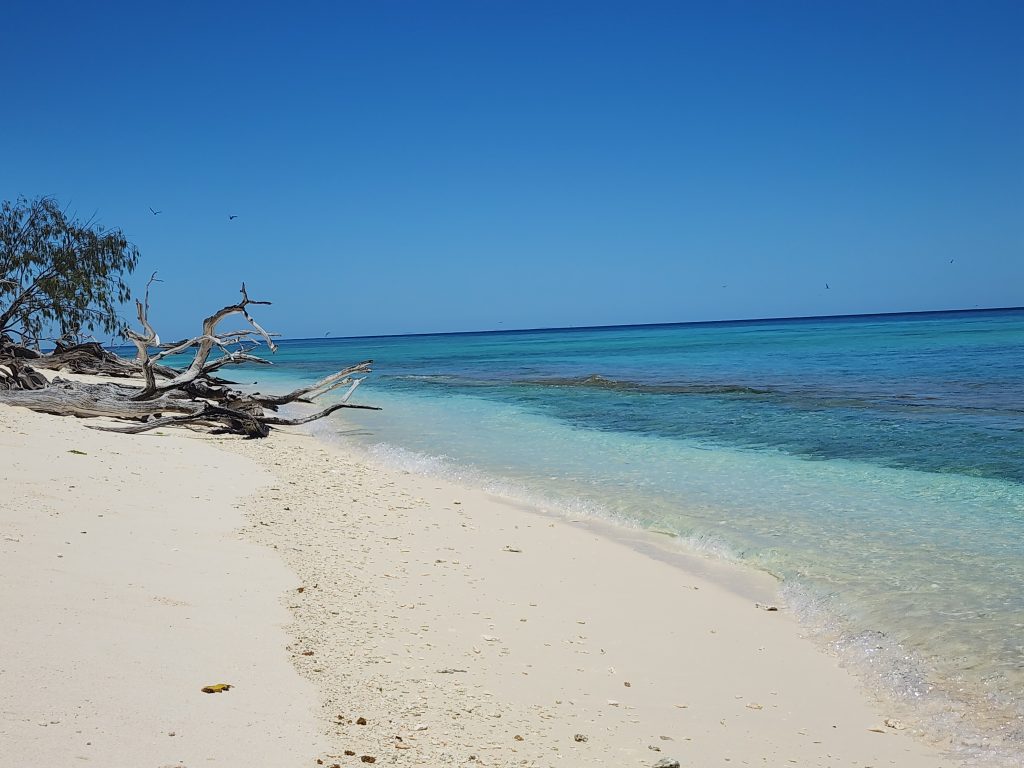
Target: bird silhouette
<point x="155" y="213"/>
<point x="232" y="216"/>
<point x="327" y="334"/>
<point x="827" y="288"/>
<point x="950" y="261"/>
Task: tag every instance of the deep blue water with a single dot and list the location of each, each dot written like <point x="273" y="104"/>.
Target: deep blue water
<point x="874" y="464"/>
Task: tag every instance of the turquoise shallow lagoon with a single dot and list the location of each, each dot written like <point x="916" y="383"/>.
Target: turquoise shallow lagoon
<point x="874" y="464"/>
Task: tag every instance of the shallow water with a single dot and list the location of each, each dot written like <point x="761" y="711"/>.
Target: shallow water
<point x="874" y="464"/>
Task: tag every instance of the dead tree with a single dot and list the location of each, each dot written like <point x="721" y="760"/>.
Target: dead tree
<point x="15" y="374"/>
<point x="169" y="396"/>
<point x="91" y="358"/>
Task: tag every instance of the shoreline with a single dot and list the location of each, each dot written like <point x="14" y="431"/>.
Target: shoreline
<point x="468" y="621"/>
<point x="464" y="629"/>
<point x="938" y="691"/>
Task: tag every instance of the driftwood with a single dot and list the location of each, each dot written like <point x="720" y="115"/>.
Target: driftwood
<point x="168" y="396"/>
<point x="77" y="398"/>
<point x="91" y="358"/>
<point x="17" y="375"/>
<point x="15" y="372"/>
<point x="9" y="349"/>
<point x="70" y="356"/>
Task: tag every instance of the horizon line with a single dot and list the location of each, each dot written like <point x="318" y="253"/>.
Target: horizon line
<point x="661" y="325"/>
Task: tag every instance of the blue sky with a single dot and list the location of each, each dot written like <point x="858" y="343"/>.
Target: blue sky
<point x="433" y="166"/>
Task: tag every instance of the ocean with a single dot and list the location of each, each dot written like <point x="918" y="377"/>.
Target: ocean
<point x="873" y="464"/>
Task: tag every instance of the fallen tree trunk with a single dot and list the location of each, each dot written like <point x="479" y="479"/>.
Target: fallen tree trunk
<point x="17" y="375"/>
<point x="92" y="359"/>
<point x="169" y="397"/>
<point x="87" y="357"/>
<point x="77" y="398"/>
<point x="9" y="349"/>
<point x="229" y="420"/>
<point x="237" y="412"/>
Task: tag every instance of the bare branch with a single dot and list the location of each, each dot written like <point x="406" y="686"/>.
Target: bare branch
<point x="191" y="397"/>
<point x="234" y="359"/>
<point x="321" y="387"/>
<point x="278" y="421"/>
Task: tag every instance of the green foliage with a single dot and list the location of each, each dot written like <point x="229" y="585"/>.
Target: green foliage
<point x="59" y="273"/>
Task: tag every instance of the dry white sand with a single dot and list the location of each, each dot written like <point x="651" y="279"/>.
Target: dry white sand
<point x="124" y="589"/>
<point x="463" y="630"/>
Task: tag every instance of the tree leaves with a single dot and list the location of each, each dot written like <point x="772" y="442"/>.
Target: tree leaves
<point x="59" y="273"/>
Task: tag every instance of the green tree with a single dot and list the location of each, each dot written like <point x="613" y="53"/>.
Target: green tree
<point x="59" y="274"/>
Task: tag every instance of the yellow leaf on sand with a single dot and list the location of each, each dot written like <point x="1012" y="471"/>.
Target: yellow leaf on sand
<point x="217" y="688"/>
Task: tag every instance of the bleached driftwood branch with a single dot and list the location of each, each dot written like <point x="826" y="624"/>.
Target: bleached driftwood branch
<point x="170" y="396"/>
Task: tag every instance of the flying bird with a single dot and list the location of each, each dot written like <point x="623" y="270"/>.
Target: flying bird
<point x="155" y="213"/>
<point x="232" y="216"/>
<point x="827" y="288"/>
<point x="327" y="334"/>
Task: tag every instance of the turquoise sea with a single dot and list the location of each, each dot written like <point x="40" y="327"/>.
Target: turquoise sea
<point x="874" y="464"/>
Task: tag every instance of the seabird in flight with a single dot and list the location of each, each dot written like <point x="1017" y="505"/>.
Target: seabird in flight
<point x="155" y="213"/>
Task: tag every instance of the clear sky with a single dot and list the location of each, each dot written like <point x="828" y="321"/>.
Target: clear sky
<point x="436" y="166"/>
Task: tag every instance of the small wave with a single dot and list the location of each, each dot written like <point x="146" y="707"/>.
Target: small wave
<point x="966" y="724"/>
<point x="709" y="546"/>
<point x="446" y="468"/>
<point x="565" y="507"/>
<point x="396" y="457"/>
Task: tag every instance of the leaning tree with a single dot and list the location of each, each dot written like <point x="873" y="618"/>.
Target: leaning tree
<point x="58" y="273"/>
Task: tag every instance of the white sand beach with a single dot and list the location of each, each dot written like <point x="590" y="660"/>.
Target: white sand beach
<point x="369" y="615"/>
<point x="124" y="589"/>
